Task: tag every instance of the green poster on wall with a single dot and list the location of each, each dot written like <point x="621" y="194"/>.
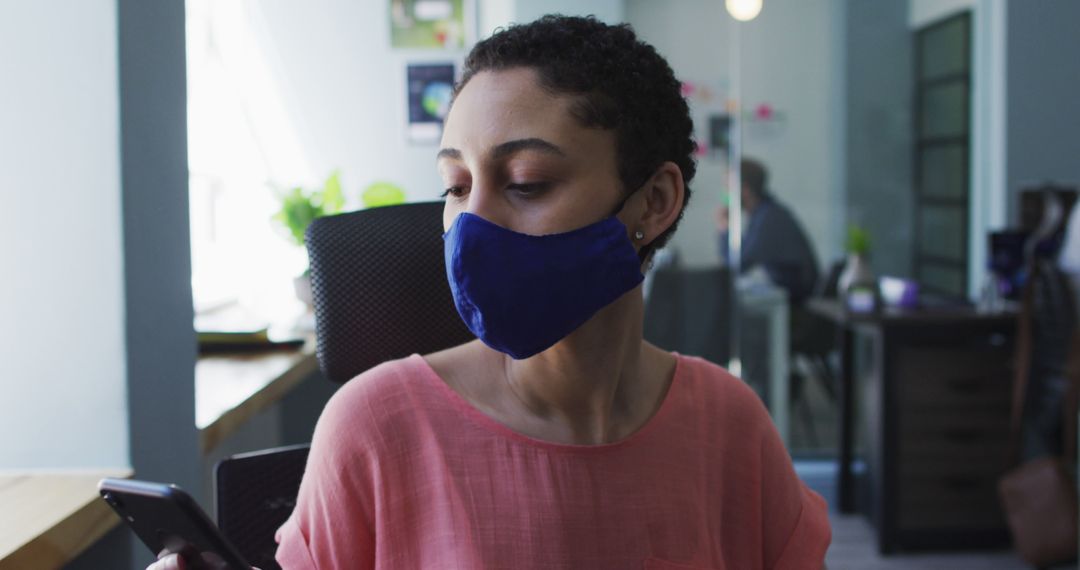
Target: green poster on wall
<point x="427" y="24"/>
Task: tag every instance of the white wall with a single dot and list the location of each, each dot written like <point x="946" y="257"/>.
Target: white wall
<point x="347" y="86"/>
<point x="789" y="60"/>
<point x="693" y="36"/>
<point x="339" y="73"/>
<point x="494" y="14"/>
<point x="610" y="11"/>
<point x="989" y="195"/>
<point x="346" y="89"/>
<point x="62" y="368"/>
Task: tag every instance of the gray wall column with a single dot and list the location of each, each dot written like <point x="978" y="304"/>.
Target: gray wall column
<point x="880" y="195"/>
<point x="157" y="261"/>
<point x="1043" y="96"/>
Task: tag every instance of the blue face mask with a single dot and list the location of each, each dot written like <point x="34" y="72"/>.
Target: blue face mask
<point x="520" y="294"/>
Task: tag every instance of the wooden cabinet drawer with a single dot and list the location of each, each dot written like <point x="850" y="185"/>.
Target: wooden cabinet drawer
<point x="939" y="379"/>
<point x="952" y="433"/>
<point x="953" y="438"/>
<point x="965" y="427"/>
<point x="967" y="462"/>
<point x="944" y="501"/>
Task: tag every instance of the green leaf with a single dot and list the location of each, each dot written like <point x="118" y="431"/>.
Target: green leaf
<point x="296" y="213"/>
<point x="300" y="207"/>
<point x="332" y="198"/>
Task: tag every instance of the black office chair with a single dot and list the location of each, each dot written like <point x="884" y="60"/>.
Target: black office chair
<point x="380" y="289"/>
<point x="255" y="494"/>
<point x="813" y="341"/>
<point x="689" y="311"/>
<point x="379" y="284"/>
<point x="813" y="338"/>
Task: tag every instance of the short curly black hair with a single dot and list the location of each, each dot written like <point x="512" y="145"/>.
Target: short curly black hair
<point x="622" y="82"/>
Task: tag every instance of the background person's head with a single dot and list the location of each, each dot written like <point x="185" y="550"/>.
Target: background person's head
<point x="755" y="180"/>
<point x="614" y="82"/>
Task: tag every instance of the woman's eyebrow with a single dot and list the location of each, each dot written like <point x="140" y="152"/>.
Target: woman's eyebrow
<point x="512" y="147"/>
<point x="508" y="148"/>
<point x="448" y="153"/>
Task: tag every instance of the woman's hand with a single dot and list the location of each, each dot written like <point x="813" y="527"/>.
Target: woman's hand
<point x="168" y="561"/>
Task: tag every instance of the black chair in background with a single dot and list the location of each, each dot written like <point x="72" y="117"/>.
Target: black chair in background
<point x="829" y="286"/>
<point x="255" y="494"/>
<point x="813" y="342"/>
<point x="689" y="311"/>
<point x="379" y="284"/>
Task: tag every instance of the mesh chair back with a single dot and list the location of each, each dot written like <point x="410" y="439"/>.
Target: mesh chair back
<point x="379" y="284"/>
<point x="255" y="493"/>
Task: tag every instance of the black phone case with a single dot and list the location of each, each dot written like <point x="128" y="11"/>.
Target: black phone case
<point x="164" y="517"/>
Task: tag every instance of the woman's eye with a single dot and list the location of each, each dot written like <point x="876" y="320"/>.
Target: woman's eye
<point x="528" y="188"/>
<point x="455" y="191"/>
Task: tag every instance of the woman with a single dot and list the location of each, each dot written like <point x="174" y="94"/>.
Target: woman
<point x="559" y="438"/>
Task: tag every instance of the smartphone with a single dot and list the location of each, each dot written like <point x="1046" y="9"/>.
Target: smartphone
<point x="168" y="520"/>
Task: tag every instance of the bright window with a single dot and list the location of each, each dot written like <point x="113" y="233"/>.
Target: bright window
<point x="242" y="149"/>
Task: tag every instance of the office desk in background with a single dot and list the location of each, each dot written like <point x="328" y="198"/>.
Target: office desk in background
<point x="936" y="389"/>
<point x="50" y="518"/>
<point x="230" y="389"/>
<point x="770" y="303"/>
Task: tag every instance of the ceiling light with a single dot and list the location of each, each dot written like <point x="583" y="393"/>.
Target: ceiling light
<point x="743" y="10"/>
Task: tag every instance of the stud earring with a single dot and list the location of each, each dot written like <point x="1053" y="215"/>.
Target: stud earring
<point x="639" y="235"/>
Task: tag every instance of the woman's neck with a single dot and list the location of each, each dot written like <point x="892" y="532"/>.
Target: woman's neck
<point x="598" y="384"/>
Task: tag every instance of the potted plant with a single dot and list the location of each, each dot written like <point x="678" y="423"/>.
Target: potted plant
<point x="857" y="284"/>
<point x="300" y="207"/>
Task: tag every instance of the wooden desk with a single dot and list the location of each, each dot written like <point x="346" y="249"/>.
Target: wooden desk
<point x="50" y="518"/>
<point x="936" y="410"/>
<point x="231" y="389"/>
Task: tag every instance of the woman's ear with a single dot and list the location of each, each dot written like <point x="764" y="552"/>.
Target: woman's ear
<point x="663" y="195"/>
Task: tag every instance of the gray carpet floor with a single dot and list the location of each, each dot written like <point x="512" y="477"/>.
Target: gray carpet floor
<point x="853" y="548"/>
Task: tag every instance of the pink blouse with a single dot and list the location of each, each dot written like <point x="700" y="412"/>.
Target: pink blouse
<point x="405" y="473"/>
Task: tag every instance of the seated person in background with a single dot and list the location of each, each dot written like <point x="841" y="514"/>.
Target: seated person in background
<point x="772" y="239"/>
<point x="559" y="438"/>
